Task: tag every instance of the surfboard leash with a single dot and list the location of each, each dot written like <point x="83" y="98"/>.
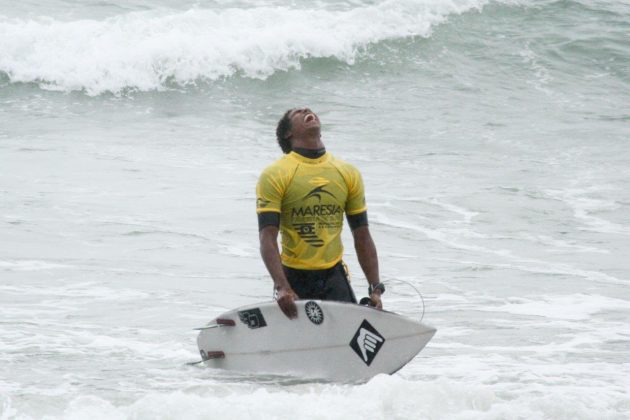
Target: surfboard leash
<point x="417" y="291"/>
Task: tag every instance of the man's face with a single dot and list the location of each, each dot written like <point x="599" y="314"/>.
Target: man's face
<point x="303" y="120"/>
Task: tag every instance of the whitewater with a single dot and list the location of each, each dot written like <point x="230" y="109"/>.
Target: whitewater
<point x="493" y="141"/>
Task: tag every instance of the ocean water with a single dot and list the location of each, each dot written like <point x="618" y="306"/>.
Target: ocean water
<point x="494" y="141"/>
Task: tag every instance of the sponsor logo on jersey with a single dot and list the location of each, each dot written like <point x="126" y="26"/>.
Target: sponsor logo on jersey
<point x="367" y="342"/>
<point x="318" y="181"/>
<point x="317" y="210"/>
<point x="307" y="232"/>
<point x="262" y="203"/>
<point x="317" y="192"/>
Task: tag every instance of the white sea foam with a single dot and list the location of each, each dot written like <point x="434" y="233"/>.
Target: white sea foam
<point x="150" y="348"/>
<point x="239" y="250"/>
<point x="466" y="214"/>
<point x="557" y="245"/>
<point x="529" y="296"/>
<point x="77" y="291"/>
<point x="457" y="239"/>
<point x="149" y="50"/>
<point x="397" y="398"/>
<point x="586" y="208"/>
<point x="444" y="236"/>
<point x="31" y="265"/>
<point x="570" y="307"/>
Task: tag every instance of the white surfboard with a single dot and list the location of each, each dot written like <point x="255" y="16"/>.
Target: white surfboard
<point x="328" y="340"/>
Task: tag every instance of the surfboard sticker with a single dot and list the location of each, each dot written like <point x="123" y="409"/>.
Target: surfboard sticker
<point x="253" y="318"/>
<point x="314" y="312"/>
<point x="367" y="342"/>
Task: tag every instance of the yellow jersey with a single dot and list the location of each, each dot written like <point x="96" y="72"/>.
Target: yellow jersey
<point x="311" y="196"/>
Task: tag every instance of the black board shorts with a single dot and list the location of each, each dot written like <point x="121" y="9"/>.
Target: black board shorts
<point x="329" y="284"/>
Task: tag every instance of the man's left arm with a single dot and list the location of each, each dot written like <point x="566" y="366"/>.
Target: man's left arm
<point x="368" y="259"/>
<point x="356" y="212"/>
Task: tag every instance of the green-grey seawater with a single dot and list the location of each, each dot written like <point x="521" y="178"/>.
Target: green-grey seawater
<point x="493" y="140"/>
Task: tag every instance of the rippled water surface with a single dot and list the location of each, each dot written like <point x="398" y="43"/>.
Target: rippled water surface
<point x="493" y="140"/>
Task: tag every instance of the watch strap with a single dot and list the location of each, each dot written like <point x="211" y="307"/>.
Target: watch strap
<point x="378" y="286"/>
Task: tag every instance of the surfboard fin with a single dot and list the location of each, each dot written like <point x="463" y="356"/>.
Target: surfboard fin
<point x="207" y="355"/>
<point x="219" y="322"/>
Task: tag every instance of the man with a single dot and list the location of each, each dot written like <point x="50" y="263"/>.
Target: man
<point x="304" y="196"/>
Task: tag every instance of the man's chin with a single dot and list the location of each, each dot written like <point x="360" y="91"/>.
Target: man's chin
<point x="313" y="130"/>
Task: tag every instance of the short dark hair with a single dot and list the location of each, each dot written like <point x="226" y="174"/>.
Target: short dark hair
<point x="282" y="132"/>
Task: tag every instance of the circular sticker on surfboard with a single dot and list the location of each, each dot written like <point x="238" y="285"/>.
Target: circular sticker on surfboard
<point x="314" y="312"/>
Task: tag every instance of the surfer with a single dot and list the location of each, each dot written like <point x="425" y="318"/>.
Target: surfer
<point x="304" y="196"/>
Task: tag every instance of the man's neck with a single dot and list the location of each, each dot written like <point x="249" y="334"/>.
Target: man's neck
<point x="310" y="153"/>
<point x="313" y="142"/>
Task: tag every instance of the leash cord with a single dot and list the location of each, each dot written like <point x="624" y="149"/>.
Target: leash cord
<point x="417" y="291"/>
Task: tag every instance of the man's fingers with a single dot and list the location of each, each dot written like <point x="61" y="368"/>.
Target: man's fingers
<point x="287" y="305"/>
<point x="288" y="310"/>
<point x="376" y="300"/>
<point x="291" y="310"/>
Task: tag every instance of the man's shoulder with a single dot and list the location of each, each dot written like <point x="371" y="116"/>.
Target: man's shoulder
<point x="278" y="168"/>
<point x="344" y="166"/>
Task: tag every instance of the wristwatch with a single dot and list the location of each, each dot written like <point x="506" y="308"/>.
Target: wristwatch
<point x="378" y="286"/>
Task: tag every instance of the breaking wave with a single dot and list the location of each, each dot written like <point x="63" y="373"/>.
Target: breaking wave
<point x="151" y="50"/>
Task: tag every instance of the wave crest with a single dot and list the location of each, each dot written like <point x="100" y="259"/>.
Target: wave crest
<point x="148" y="50"/>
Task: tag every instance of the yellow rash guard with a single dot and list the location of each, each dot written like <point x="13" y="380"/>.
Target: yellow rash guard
<point x="311" y="196"/>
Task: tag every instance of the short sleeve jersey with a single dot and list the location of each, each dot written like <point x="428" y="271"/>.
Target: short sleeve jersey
<point x="311" y="196"/>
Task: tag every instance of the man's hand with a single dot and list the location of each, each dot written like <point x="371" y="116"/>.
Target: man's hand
<point x="375" y="297"/>
<point x="286" y="300"/>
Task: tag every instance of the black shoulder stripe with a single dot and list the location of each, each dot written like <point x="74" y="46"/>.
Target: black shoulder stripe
<point x="268" y="218"/>
<point x="357" y="220"/>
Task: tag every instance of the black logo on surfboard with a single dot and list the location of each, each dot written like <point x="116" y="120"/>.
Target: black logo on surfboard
<point x="253" y="318"/>
<point x="367" y="342"/>
<point x="314" y="312"/>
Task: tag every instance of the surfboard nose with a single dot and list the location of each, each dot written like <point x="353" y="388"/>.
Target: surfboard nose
<point x="423" y="329"/>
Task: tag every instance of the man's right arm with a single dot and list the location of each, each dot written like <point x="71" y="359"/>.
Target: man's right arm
<point x="269" y="192"/>
<point x="271" y="257"/>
